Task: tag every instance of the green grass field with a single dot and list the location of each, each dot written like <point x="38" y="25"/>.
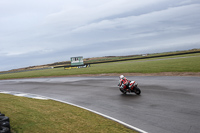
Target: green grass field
<point x="191" y="63"/>
<point x="46" y="116"/>
<point x="139" y="56"/>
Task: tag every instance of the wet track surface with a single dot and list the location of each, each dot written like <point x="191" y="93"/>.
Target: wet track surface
<point x="166" y="105"/>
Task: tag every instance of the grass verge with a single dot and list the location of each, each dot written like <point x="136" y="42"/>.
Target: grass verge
<point x="190" y="63"/>
<point x="47" y="116"/>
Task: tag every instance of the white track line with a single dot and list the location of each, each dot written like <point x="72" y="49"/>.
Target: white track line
<point x="5" y="92"/>
<point x="20" y="95"/>
<point x="28" y="95"/>
<point x="106" y="116"/>
<point x="45" y="98"/>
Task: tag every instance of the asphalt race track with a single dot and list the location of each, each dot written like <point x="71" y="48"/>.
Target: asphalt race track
<point x="166" y="105"/>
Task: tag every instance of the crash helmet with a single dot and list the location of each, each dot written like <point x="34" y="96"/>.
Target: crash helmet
<point x="121" y="76"/>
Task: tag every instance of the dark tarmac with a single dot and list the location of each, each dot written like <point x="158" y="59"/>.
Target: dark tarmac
<point x="166" y="104"/>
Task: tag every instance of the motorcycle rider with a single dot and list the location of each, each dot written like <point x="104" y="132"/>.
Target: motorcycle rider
<point x="125" y="81"/>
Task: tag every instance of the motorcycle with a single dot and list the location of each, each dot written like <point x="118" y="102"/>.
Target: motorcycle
<point x="131" y="87"/>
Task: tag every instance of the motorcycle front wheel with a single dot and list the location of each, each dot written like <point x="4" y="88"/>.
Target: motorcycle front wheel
<point x="123" y="91"/>
<point x="137" y="91"/>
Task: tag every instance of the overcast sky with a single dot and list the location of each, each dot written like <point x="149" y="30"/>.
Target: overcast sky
<point x="37" y="32"/>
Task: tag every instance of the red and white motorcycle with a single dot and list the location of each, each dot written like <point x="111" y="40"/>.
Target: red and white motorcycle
<point x="131" y="87"/>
